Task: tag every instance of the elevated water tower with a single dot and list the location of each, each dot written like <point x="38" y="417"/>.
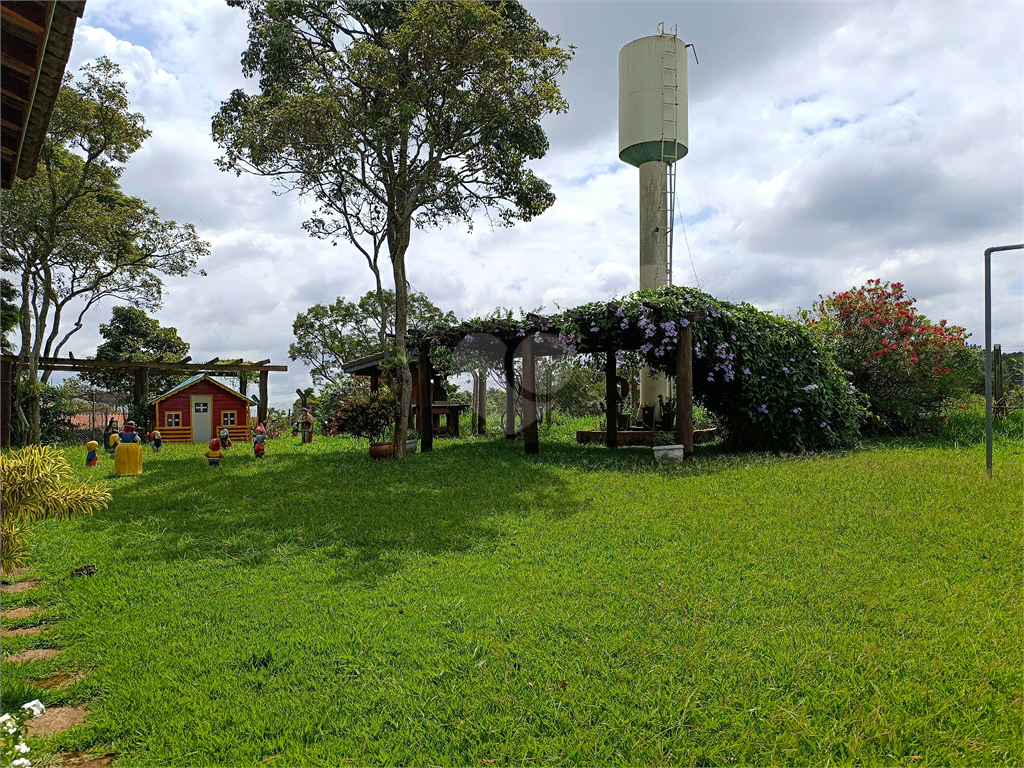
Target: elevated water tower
<point x="652" y="136"/>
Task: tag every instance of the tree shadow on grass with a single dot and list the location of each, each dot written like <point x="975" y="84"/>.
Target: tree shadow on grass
<point x="366" y="516"/>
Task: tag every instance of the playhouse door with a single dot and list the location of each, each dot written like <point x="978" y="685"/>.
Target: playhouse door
<point x="202" y="418"/>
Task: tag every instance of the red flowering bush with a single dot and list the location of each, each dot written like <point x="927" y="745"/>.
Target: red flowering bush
<point x="904" y="363"/>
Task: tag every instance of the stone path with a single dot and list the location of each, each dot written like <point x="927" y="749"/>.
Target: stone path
<point x="54" y="719"/>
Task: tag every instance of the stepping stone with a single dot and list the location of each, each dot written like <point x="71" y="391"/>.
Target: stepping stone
<point x="20" y="586"/>
<point x="59" y="679"/>
<point x="18" y="613"/>
<point x="34" y="655"/>
<point x="55" y="720"/>
<point x="24" y="632"/>
<point x="82" y="760"/>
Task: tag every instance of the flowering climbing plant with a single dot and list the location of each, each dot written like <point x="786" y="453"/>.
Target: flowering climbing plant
<point x="13" y="749"/>
<point x="905" y="364"/>
<point x="764" y="377"/>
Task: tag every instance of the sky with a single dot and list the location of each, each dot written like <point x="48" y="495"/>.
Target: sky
<point x="830" y="143"/>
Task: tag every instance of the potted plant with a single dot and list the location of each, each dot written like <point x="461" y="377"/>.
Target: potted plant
<point x="666" y="451"/>
<point x="410" y="443"/>
<point x="668" y="414"/>
<point x="364" y="413"/>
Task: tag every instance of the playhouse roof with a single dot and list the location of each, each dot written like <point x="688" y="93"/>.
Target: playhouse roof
<point x="195" y="380"/>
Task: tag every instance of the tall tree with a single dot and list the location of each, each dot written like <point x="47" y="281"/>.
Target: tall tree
<point x="71" y="236"/>
<point x="327" y="336"/>
<point x="131" y="334"/>
<point x="394" y="115"/>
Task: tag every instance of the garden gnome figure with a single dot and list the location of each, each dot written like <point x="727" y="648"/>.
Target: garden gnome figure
<point x="92" y="456"/>
<point x="225" y="440"/>
<point x="158" y="441"/>
<point x="108" y="437"/>
<point x="306" y="425"/>
<point x="128" y="454"/>
<point x="215" y="454"/>
<point x="257" y="442"/>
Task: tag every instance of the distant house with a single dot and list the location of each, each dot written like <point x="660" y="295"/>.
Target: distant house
<point x="197" y="409"/>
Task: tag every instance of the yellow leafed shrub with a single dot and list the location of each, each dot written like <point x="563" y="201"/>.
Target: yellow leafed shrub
<point x="36" y="483"/>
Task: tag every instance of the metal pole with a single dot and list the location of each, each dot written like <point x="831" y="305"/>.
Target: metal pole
<point x="988" y="349"/>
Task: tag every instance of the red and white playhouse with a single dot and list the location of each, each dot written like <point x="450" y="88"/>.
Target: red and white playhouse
<point x="196" y="410"/>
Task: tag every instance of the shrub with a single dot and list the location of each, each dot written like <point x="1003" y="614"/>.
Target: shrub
<point x="363" y="413"/>
<point x="36" y="483"/>
<point x="764" y="377"/>
<point x="905" y="364"/>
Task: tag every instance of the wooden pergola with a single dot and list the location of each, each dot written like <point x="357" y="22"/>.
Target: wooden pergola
<point x="140" y="393"/>
<point x="538" y="339"/>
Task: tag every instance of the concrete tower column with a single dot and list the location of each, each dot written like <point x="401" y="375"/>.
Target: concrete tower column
<point x="653" y="257"/>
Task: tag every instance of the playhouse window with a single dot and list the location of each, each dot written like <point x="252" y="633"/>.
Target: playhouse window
<point x="173" y="419"/>
<point x="227" y="418"/>
<point x="202" y="407"/>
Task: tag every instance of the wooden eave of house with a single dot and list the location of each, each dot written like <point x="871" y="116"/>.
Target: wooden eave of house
<point x="364" y="366"/>
<point x="195" y="380"/>
<point x="35" y="42"/>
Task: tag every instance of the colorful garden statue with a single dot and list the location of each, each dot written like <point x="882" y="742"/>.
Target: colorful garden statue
<point x="158" y="441"/>
<point x="215" y="454"/>
<point x="225" y="441"/>
<point x="258" y="441"/>
<point x="306" y="425"/>
<point x="93" y="455"/>
<point x="110" y="437"/>
<point x="128" y="453"/>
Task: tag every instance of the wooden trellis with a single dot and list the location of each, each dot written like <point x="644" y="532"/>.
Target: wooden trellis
<point x="140" y="393"/>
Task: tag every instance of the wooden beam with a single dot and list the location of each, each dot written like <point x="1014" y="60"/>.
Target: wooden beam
<point x="12" y="95"/>
<point x="530" y="433"/>
<point x="211" y="362"/>
<point x="425" y="397"/>
<point x="684" y="390"/>
<point x="262" y="362"/>
<point x="611" y="391"/>
<point x="61" y="363"/>
<point x="29" y="16"/>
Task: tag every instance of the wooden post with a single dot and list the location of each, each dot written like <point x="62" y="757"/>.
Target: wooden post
<point x="548" y="405"/>
<point x="425" y="398"/>
<point x="243" y="383"/>
<point x="140" y="393"/>
<point x="610" y="397"/>
<point x="6" y="402"/>
<point x="999" y="409"/>
<point x="375" y="380"/>
<point x="261" y="409"/>
<point x="530" y="398"/>
<point x="510" y="393"/>
<point x="481" y="413"/>
<point x="684" y="390"/>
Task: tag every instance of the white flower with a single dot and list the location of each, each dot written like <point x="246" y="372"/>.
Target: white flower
<point x="10" y="727"/>
<point x="23" y="748"/>
<point x="21" y="762"/>
<point x="36" y="706"/>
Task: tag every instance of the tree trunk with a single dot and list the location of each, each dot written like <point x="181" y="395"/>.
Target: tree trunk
<point x="399" y="245"/>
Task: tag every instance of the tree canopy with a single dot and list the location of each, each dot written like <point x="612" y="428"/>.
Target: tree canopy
<point x="131" y="334"/>
<point x="70" y="235"/>
<point x="329" y="335"/>
<point x="394" y="115"/>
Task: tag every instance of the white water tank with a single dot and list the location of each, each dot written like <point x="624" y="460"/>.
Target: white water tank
<point x="652" y="100"/>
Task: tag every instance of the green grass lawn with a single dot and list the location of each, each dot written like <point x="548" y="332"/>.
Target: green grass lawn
<point x="474" y="606"/>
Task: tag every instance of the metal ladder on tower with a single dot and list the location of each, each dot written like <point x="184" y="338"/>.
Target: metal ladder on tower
<point x="669" y="136"/>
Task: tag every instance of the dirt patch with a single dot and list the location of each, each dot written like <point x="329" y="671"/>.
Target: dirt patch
<point x="34" y="655"/>
<point x="20" y="586"/>
<point x="55" y="720"/>
<point x="18" y="613"/>
<point x="82" y="760"/>
<point x="17" y="573"/>
<point x="23" y="632"/>
<point x="59" y="679"/>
